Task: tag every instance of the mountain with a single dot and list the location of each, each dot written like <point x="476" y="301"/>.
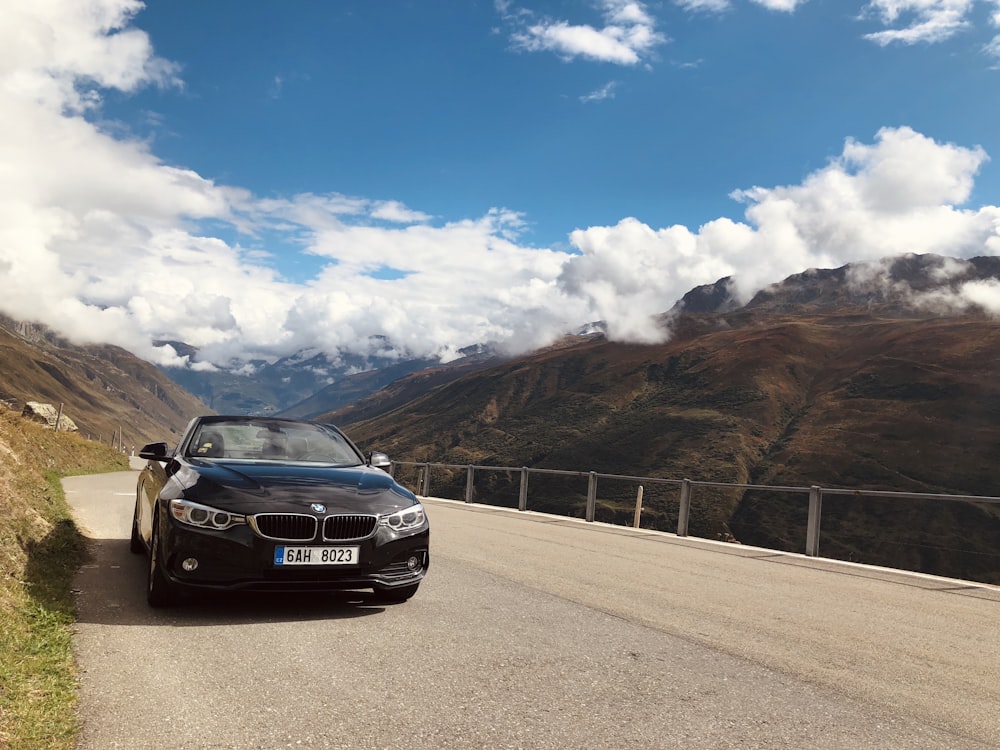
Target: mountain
<point x="352" y="388"/>
<point x="258" y="386"/>
<point x="105" y="390"/>
<point x="305" y="384"/>
<point x="839" y="378"/>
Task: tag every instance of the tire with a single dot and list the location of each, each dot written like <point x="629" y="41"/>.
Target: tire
<point x="135" y="544"/>
<point x="397" y="595"/>
<point x="159" y="590"/>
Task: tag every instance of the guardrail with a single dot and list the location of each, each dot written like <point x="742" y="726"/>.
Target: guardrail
<point x="814" y="493"/>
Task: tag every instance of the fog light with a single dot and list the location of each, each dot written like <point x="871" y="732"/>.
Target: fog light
<point x="413" y="563"/>
<point x="189" y="565"/>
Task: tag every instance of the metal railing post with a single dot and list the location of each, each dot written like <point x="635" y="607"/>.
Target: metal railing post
<point x="684" y="512"/>
<point x="812" y="524"/>
<point x="427" y="480"/>
<point x="468" y="483"/>
<point x="592" y="496"/>
<point x="522" y="500"/>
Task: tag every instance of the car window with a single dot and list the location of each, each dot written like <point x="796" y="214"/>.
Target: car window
<point x="271" y="441"/>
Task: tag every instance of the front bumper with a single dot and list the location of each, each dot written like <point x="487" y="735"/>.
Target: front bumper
<point x="239" y="560"/>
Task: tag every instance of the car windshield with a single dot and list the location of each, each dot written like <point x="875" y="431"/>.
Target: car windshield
<point x="271" y="440"/>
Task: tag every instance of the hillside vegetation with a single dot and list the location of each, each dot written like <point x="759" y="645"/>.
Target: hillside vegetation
<point x="40" y="551"/>
<point x="105" y="390"/>
<point x="806" y="386"/>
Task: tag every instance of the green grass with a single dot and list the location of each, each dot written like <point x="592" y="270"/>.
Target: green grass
<point x="40" y="552"/>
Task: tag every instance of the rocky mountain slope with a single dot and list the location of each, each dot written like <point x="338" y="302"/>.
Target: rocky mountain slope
<point x="107" y="392"/>
<point x="818" y="380"/>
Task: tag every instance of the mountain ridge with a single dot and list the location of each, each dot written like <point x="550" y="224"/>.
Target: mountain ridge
<point x="813" y="382"/>
<point x="104" y="389"/>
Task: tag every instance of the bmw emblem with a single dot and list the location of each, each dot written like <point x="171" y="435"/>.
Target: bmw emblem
<point x="317" y="508"/>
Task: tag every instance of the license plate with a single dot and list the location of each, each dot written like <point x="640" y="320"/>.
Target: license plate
<point x="316" y="555"/>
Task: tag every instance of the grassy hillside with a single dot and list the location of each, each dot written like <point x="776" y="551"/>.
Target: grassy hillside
<point x="104" y="389"/>
<point x="40" y="550"/>
<point x="858" y="400"/>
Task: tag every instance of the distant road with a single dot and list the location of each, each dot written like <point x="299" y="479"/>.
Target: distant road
<point x="537" y="632"/>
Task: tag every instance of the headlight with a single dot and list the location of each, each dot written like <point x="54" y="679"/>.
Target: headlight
<point x="204" y="517"/>
<point x="406" y="519"/>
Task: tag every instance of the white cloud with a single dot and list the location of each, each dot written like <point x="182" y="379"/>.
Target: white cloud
<point x="784" y="6"/>
<point x="956" y="298"/>
<point x="48" y="48"/>
<point x="911" y="21"/>
<point x="607" y="91"/>
<point x="719" y="6"/>
<point x="984" y="294"/>
<point x="707" y="6"/>
<point x="928" y="20"/>
<point x="628" y="36"/>
<point x="396" y="212"/>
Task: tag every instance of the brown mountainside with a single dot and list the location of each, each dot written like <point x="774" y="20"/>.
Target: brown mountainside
<point x="728" y="405"/>
<point x="103" y="389"/>
<point x="839" y="394"/>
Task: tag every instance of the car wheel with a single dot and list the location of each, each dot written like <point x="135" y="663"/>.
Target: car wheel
<point x="159" y="591"/>
<point x="135" y="543"/>
<point x="397" y="595"/>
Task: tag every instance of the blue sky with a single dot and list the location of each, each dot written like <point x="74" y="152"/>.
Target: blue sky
<point x="259" y="177"/>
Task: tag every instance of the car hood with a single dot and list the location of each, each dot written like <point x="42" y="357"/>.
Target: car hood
<point x="268" y="487"/>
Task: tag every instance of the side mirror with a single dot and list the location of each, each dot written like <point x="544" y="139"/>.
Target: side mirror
<point x="154" y="452"/>
<point x="379" y="460"/>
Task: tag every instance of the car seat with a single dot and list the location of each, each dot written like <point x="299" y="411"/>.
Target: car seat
<point x="210" y="445"/>
<point x="274" y="447"/>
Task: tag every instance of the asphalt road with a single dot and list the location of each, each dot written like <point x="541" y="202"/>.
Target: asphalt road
<point x="534" y="632"/>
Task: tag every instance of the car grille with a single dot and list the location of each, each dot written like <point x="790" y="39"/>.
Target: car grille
<point x="341" y="528"/>
<point x="297" y="527"/>
<point x="292" y="527"/>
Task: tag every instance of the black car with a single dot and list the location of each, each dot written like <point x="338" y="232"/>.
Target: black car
<point x="261" y="504"/>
